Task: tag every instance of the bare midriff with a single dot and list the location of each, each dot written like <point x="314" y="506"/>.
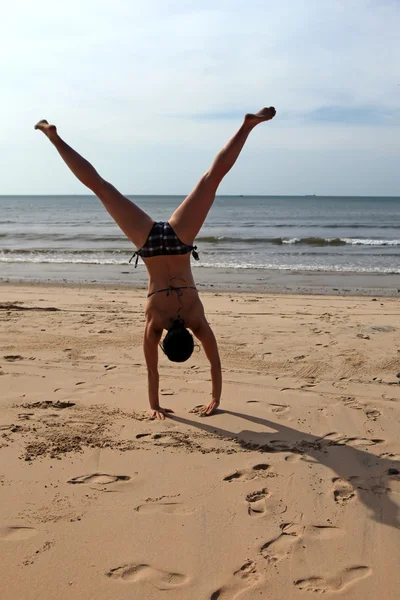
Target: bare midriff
<point x="165" y="271"/>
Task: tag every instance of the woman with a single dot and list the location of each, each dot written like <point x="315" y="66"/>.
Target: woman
<point x="173" y="301"/>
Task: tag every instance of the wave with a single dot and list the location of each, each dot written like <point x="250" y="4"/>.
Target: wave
<point x="227" y="265"/>
<point x="64" y="260"/>
<point x="334" y="225"/>
<point x="65" y="237"/>
<point x="46" y="256"/>
<point x="94" y="234"/>
<point x="307" y="241"/>
<point x="306" y="246"/>
<point x="341" y="242"/>
<point x="240" y="261"/>
<point x="302" y="267"/>
<point x="60" y="251"/>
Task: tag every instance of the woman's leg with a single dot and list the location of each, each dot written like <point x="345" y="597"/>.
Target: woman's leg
<point x="189" y="217"/>
<point x="133" y="221"/>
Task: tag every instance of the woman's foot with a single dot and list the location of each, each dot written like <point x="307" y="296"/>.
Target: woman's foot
<point x="265" y="114"/>
<point x="49" y="130"/>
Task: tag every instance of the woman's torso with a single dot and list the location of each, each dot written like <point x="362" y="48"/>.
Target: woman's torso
<point x="164" y="306"/>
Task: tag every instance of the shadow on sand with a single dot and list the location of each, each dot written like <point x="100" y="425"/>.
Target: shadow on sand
<point x="369" y="474"/>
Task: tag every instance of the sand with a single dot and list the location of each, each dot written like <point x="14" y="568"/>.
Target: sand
<point x="291" y="490"/>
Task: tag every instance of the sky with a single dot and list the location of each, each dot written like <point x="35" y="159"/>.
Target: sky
<point x="150" y="90"/>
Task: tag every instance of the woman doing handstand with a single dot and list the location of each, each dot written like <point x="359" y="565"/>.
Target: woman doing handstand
<point x="173" y="301"/>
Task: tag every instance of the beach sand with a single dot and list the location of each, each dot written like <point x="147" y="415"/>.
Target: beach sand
<point x="291" y="490"/>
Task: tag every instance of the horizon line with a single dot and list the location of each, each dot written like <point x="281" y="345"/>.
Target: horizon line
<point x="217" y="195"/>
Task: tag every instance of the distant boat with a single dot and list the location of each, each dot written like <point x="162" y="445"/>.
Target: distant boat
<point x="310" y="195"/>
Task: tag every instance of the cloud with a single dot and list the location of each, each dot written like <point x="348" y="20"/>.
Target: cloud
<point x="152" y="74"/>
<point x="226" y="115"/>
<point x="324" y="115"/>
<point x="356" y="115"/>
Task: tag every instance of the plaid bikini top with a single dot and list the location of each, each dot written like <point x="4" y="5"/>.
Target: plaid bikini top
<point x="163" y="240"/>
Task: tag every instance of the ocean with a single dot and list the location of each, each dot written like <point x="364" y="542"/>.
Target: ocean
<point x="72" y="238"/>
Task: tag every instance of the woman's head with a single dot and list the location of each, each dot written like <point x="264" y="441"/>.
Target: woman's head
<point x="178" y="344"/>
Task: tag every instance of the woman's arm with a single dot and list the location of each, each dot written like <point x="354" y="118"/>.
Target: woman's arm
<point x="152" y="336"/>
<point x="207" y="338"/>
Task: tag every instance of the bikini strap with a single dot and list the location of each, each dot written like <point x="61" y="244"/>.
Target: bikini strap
<point x="194" y="253"/>
<point x="137" y="258"/>
<point x="169" y="289"/>
<point x="158" y="291"/>
<point x="172" y="288"/>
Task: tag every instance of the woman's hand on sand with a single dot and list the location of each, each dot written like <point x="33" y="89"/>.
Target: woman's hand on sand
<point x="161" y="413"/>
<point x="209" y="409"/>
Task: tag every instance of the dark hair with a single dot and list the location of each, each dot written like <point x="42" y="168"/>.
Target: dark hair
<point x="178" y="344"/>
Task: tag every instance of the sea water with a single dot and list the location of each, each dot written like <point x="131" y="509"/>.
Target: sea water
<point x="263" y="233"/>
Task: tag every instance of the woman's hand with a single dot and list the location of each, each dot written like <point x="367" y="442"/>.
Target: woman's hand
<point x="161" y="413"/>
<point x="209" y="409"/>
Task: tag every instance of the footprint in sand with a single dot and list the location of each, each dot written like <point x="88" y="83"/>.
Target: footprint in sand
<point x="390" y="456"/>
<point x="279" y="548"/>
<point x="242" y="579"/>
<point x="372" y="414"/>
<point x="351" y="402"/>
<point x="175" y="439"/>
<point x="354" y="441"/>
<point x="292" y="458"/>
<point x="49" y="404"/>
<point x="162" y="580"/>
<point x="380" y="489"/>
<point x="99" y="479"/>
<point x="338" y="439"/>
<point x="25" y="416"/>
<point x="393" y="472"/>
<point x="171" y="508"/>
<point x="343" y="491"/>
<point x="291" y="533"/>
<point x="257" y="472"/>
<point x="256" y="502"/>
<point x="333" y="584"/>
<point x="17" y="533"/>
<point x="280" y="409"/>
<point x="322" y="532"/>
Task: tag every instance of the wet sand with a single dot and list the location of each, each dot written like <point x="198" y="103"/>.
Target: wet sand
<point x="232" y="280"/>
